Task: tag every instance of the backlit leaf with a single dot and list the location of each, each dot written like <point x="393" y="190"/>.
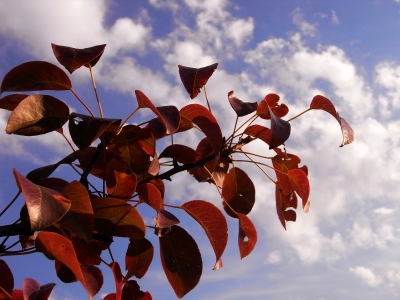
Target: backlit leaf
<point x="213" y="222"/>
<point x="280" y="130"/>
<point x="116" y="269"/>
<point x="33" y="290"/>
<point x="131" y="290"/>
<point x="165" y="219"/>
<point x="238" y="190"/>
<point x="150" y="194"/>
<point x="35" y="76"/>
<point x="6" y="281"/>
<point x="181" y="153"/>
<point x="194" y="79"/>
<point x="181" y="260"/>
<point x="283" y="164"/>
<point x="241" y="108"/>
<point x="271" y="101"/>
<point x="120" y="180"/>
<point x="139" y="256"/>
<point x="204" y="119"/>
<point x="347" y="131"/>
<point x="301" y="185"/>
<point x="260" y="132"/>
<point x="247" y="238"/>
<point x="73" y="58"/>
<point x="85" y="130"/>
<point x="169" y="115"/>
<point x="282" y="203"/>
<point x="10" y="102"/>
<point x="37" y="114"/>
<point x="117" y="217"/>
<point x="45" y="206"/>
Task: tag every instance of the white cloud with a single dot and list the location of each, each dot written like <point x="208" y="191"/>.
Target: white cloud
<point x="305" y="27"/>
<point x="366" y="275"/>
<point x="334" y="18"/>
<point x="274" y="257"/>
<point x="384" y="211"/>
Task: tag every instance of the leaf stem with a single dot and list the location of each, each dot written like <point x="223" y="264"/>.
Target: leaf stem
<point x="259" y="167"/>
<point x="69" y="143"/>
<point x="11" y="203"/>
<point x="295" y="117"/>
<point x="95" y="90"/>
<point x="126" y="120"/>
<point x="83" y="103"/>
<point x="205" y="93"/>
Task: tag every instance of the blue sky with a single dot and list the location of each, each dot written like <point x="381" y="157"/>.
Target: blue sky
<point x="346" y="247"/>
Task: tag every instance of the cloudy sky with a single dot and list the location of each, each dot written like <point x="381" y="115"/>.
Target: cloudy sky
<point x="347" y="246"/>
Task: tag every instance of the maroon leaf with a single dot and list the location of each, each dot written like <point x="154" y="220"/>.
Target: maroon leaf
<point x="151" y="195"/>
<point x="181" y="153"/>
<point x="45" y="206"/>
<point x="241" y="108"/>
<point x="32" y="290"/>
<point x="93" y="278"/>
<point x="194" y="79"/>
<point x="169" y="115"/>
<point x="138" y="258"/>
<point x="239" y="192"/>
<point x="260" y="132"/>
<point x="6" y="281"/>
<point x="131" y="290"/>
<point x="213" y="222"/>
<point x="35" y="76"/>
<point x="87" y="253"/>
<point x="301" y="185"/>
<point x="283" y="164"/>
<point x="115" y="268"/>
<point x="85" y="130"/>
<point x="116" y="217"/>
<point x="282" y="203"/>
<point x="280" y="130"/>
<point x="120" y="180"/>
<point x="72" y="58"/>
<point x="10" y="102"/>
<point x="181" y="260"/>
<point x="204" y="119"/>
<point x="37" y="114"/>
<point x="271" y="101"/>
<point x="247" y="238"/>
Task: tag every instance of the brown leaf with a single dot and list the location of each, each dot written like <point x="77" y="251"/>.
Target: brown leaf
<point x="247" y="238"/>
<point x="35" y="76"/>
<point x="181" y="260"/>
<point x="139" y="256"/>
<point x="194" y="79"/>
<point x="73" y="58"/>
<point x="37" y="114"/>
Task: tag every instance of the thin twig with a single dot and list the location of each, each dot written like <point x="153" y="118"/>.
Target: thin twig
<point x="11" y="203"/>
<point x="205" y="93"/>
<point x="295" y="117"/>
<point x="83" y="103"/>
<point x="95" y="91"/>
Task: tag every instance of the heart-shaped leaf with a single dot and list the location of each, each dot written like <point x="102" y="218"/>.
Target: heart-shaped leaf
<point x="241" y="108"/>
<point x="35" y="76"/>
<point x="239" y="192"/>
<point x="45" y="206"/>
<point x="181" y="260"/>
<point x="280" y="130"/>
<point x="213" y="222"/>
<point x="203" y="118"/>
<point x="247" y="237"/>
<point x="194" y="79"/>
<point x="138" y="258"/>
<point x="6" y="281"/>
<point x="301" y="185"/>
<point x="271" y="101"/>
<point x="73" y="58"/>
<point x="37" y="114"/>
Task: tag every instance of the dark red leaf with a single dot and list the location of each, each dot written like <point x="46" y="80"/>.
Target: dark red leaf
<point x="37" y="114"/>
<point x="17" y="295"/>
<point x="213" y="222"/>
<point x="139" y="256"/>
<point x="301" y="185"/>
<point x="35" y="76"/>
<point x="181" y="153"/>
<point x="282" y="203"/>
<point x="6" y="281"/>
<point x="72" y="58"/>
<point x="271" y="101"/>
<point x="131" y="290"/>
<point x="32" y="290"/>
<point x="239" y="192"/>
<point x="181" y="260"/>
<point x="260" y="132"/>
<point x="10" y="102"/>
<point x="169" y="115"/>
<point x="280" y="131"/>
<point x="45" y="206"/>
<point x="116" y="217"/>
<point x="247" y="238"/>
<point x="87" y="253"/>
<point x="241" y="108"/>
<point x="151" y="195"/>
<point x="85" y="130"/>
<point x="194" y="79"/>
<point x="120" y="180"/>
<point x="283" y="164"/>
<point x="203" y="118"/>
<point x="290" y="215"/>
<point x="115" y="268"/>
<point x="93" y="278"/>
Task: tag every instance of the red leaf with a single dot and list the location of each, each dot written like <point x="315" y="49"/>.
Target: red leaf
<point x="72" y="58"/>
<point x="290" y="215"/>
<point x="115" y="268"/>
<point x="282" y="203"/>
<point x="37" y="114"/>
<point x="132" y="290"/>
<point x="320" y="102"/>
<point x="260" y="132"/>
<point x="280" y="130"/>
<point x="151" y="195"/>
<point x="238" y="190"/>
<point x="181" y="260"/>
<point x="247" y="238"/>
<point x="93" y="278"/>
<point x="10" y="102"/>
<point x="169" y="115"/>
<point x="194" y="79"/>
<point x="181" y="153"/>
<point x="139" y="256"/>
<point x="6" y="281"/>
<point x="120" y="180"/>
<point x="301" y="185"/>
<point x="203" y="118"/>
<point x="241" y="108"/>
<point x="283" y="164"/>
<point x="35" y="76"/>
<point x="45" y="206"/>
<point x="17" y="295"/>
<point x="213" y="222"/>
<point x="87" y="253"/>
<point x="85" y="130"/>
<point x="271" y="101"/>
<point x="33" y="290"/>
<point x="116" y="217"/>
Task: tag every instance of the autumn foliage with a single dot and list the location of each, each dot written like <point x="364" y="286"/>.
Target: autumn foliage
<point x="72" y="223"/>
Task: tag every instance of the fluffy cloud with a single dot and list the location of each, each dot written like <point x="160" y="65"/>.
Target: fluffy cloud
<point x="366" y="275"/>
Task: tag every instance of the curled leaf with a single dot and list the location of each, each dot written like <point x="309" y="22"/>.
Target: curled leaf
<point x="194" y="79"/>
<point x="247" y="238"/>
<point x="301" y="185"/>
<point x="241" y="108"/>
<point x="280" y="130"/>
<point x="271" y="101"/>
